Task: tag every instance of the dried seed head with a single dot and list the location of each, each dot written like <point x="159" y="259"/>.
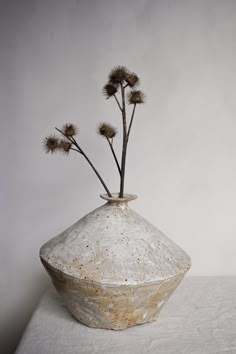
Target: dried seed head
<point x="107" y="130"/>
<point x="132" y="80"/>
<point x="118" y="75"/>
<point x="136" y="97"/>
<point x="109" y="90"/>
<point x="70" y="129"/>
<point x="51" y="144"/>
<point x="65" y="146"/>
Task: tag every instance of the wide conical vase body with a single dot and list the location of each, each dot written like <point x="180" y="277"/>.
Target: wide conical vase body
<point x="113" y="268"/>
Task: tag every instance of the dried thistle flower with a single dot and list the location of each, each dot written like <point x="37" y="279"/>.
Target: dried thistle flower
<point x="107" y="130"/>
<point x="136" y="97"/>
<point x="109" y="90"/>
<point x="64" y="146"/>
<point x="132" y="80"/>
<point x="119" y="78"/>
<point x="70" y="129"/>
<point x="51" y="144"/>
<point x="118" y="75"/>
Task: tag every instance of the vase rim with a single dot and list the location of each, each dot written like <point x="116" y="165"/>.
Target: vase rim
<point x="115" y="198"/>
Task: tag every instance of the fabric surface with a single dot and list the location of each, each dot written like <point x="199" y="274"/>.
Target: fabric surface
<point x="199" y="318"/>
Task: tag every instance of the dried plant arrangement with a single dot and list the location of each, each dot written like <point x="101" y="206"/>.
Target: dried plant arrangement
<point x="120" y="80"/>
<point x="113" y="268"/>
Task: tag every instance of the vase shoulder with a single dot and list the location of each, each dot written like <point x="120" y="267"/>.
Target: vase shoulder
<point x="115" y="245"/>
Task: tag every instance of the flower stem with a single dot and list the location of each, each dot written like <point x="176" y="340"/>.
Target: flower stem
<point x="74" y="142"/>
<point x="124" y="147"/>
<point x="98" y="175"/>
<point x="114" y="155"/>
<point x="131" y="121"/>
<point x="117" y="101"/>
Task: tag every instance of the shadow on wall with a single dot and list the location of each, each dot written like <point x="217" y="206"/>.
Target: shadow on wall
<point x="20" y="314"/>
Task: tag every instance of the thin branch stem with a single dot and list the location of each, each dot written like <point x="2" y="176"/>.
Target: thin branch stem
<point x="131" y="122"/>
<point x="98" y="175"/>
<point x="71" y="139"/>
<point x="75" y="150"/>
<point x="117" y="101"/>
<point x="114" y="155"/>
<point x="74" y="142"/>
<point x="124" y="147"/>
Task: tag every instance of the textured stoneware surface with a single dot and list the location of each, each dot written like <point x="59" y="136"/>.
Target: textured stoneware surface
<point x="113" y="268"/>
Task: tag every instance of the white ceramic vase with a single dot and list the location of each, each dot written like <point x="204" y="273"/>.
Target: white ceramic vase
<point x="113" y="268"/>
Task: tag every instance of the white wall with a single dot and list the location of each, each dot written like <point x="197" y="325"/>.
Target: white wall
<point x="54" y="59"/>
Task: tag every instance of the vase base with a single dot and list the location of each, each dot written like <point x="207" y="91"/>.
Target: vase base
<point x="113" y="307"/>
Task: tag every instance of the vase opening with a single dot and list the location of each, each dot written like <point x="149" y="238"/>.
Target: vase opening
<point x="115" y="198"/>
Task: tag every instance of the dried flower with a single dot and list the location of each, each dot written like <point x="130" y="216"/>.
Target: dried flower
<point x="51" y="144"/>
<point x="118" y="75"/>
<point x="65" y="146"/>
<point x="132" y="80"/>
<point x="107" y="130"/>
<point x="119" y="78"/>
<point x="136" y="97"/>
<point x="70" y="129"/>
<point x="109" y="90"/>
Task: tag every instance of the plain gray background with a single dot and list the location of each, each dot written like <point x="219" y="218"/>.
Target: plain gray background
<point x="54" y="59"/>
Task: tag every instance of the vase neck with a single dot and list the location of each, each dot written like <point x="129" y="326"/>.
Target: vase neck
<point x="116" y="200"/>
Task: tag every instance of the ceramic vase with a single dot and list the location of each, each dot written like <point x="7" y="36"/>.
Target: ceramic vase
<point x="113" y="268"/>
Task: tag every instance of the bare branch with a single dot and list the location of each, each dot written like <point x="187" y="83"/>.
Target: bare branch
<point x="114" y="155"/>
<point x="131" y="122"/>
<point x="118" y="102"/>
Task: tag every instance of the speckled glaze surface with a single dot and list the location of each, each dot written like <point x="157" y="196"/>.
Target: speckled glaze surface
<point x="113" y="268"/>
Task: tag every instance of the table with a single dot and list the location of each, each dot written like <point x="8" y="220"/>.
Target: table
<point x="199" y="318"/>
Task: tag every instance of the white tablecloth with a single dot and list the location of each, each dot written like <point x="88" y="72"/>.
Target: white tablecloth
<point x="199" y="318"/>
